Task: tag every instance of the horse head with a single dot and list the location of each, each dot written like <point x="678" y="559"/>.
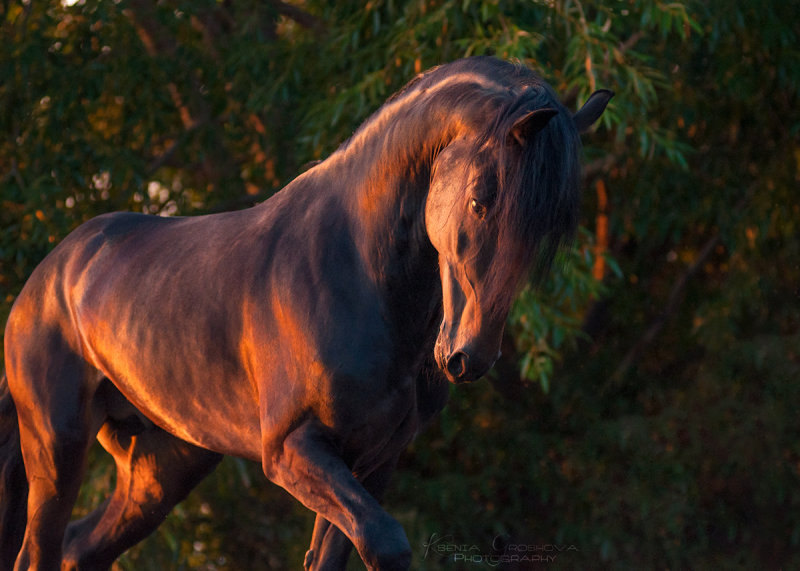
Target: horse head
<point x="497" y="205"/>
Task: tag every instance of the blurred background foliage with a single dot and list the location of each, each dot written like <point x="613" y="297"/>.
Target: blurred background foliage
<point x="645" y="409"/>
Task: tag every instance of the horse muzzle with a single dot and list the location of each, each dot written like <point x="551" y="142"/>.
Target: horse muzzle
<point x="463" y="366"/>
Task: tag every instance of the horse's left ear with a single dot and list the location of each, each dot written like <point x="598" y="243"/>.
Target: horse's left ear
<point x="592" y="109"/>
<point x="529" y="124"/>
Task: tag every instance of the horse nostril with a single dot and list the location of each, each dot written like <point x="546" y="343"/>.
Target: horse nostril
<point x="457" y="364"/>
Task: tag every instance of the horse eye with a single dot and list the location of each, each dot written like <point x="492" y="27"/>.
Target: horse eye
<point x="477" y="207"/>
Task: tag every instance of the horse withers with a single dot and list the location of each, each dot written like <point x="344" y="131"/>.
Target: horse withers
<point x="314" y="333"/>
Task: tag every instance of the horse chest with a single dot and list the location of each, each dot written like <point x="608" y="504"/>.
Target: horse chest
<point x="382" y="428"/>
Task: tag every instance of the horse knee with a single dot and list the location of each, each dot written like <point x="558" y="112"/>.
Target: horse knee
<point x="158" y="469"/>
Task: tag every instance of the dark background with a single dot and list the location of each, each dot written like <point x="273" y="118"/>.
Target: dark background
<point x="645" y="411"/>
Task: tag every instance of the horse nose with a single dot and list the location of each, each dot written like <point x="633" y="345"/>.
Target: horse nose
<point x="457" y="365"/>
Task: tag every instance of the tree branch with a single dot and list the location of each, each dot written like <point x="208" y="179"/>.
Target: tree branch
<point x="300" y="16"/>
<point x="165" y="158"/>
<point x="158" y="43"/>
<point x="630" y="42"/>
<point x="600" y="231"/>
<point x="673" y="301"/>
<point x="194" y="111"/>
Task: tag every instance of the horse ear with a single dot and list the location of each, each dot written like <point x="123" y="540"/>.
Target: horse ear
<point x="529" y="124"/>
<point x="592" y="109"/>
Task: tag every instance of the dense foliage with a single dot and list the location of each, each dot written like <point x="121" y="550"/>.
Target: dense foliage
<point x="644" y="413"/>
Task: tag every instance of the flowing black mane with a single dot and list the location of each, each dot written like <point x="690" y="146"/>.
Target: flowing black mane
<point x="538" y="189"/>
<point x="538" y="185"/>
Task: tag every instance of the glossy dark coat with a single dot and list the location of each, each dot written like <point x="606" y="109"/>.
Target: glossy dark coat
<point x="311" y="333"/>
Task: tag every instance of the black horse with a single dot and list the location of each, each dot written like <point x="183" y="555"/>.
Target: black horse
<point x="305" y="333"/>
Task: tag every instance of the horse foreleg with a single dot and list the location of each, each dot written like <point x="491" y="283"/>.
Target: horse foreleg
<point x="155" y="471"/>
<point x="330" y="548"/>
<point x="309" y="467"/>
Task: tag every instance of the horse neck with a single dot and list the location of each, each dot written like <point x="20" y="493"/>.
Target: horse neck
<point x="383" y="176"/>
<point x="386" y="169"/>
